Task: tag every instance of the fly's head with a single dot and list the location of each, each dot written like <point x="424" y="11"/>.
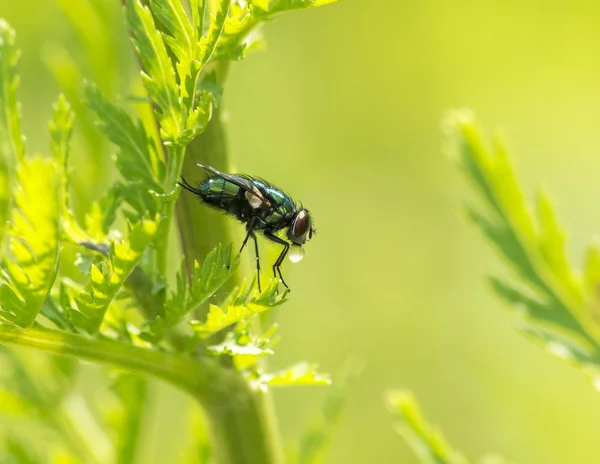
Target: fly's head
<point x="299" y="232"/>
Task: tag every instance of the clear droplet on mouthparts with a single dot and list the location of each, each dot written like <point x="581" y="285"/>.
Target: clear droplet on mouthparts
<point x="296" y="253"/>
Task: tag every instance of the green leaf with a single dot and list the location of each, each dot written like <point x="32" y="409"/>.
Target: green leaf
<point x="241" y="304"/>
<point x="12" y="142"/>
<point x="319" y="432"/>
<point x="136" y="160"/>
<point x="561" y="308"/>
<point x="132" y="392"/>
<point x="244" y="347"/>
<point x="208" y="44"/>
<point x="426" y="441"/>
<point x="158" y="74"/>
<point x="217" y="268"/>
<point x="198" y="8"/>
<point x="302" y="373"/>
<point x="107" y="278"/>
<point x="279" y="6"/>
<point x="33" y="237"/>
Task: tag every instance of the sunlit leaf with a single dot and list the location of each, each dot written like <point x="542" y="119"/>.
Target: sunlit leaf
<point x="158" y="73"/>
<point x="33" y="237"/>
<point x="426" y="441"/>
<point x="320" y="430"/>
<point x="135" y="160"/>
<point x="107" y="278"/>
<point x="302" y="373"/>
<point x="217" y="268"/>
<point x="243" y="303"/>
<point x="12" y="142"/>
<point x="561" y="309"/>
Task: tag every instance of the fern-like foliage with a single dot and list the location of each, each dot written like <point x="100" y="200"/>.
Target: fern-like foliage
<point x="12" y="143"/>
<point x="559" y="305"/>
<point x="33" y="234"/>
<point x="426" y="441"/>
<point x="217" y="268"/>
<point x="243" y="303"/>
<point x="112" y="304"/>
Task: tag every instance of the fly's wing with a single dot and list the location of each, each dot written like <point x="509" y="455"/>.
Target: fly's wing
<point x="255" y="197"/>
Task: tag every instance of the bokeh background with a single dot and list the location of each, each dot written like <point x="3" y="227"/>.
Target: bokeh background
<point x="344" y="111"/>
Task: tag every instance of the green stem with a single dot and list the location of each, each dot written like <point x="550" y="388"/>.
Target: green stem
<point x="244" y="430"/>
<point x="240" y="417"/>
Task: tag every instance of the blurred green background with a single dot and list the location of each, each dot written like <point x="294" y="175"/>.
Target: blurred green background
<point x="344" y="111"/>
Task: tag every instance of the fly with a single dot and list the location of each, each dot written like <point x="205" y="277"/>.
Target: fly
<point x="262" y="207"/>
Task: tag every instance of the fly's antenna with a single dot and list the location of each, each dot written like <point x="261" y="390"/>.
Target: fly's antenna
<point x="186" y="185"/>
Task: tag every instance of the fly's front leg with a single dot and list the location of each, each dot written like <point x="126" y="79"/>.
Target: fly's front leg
<point x="286" y="246"/>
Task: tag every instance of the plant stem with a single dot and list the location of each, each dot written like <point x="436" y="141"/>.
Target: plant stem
<point x="244" y="428"/>
<point x="241" y="418"/>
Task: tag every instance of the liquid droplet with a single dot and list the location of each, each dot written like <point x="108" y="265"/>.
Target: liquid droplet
<point x="296" y="253"/>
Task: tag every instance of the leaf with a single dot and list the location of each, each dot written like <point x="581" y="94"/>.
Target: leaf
<point x="243" y="347"/>
<point x="279" y="6"/>
<point x="218" y="267"/>
<point x="198" y="8"/>
<point x="208" y="44"/>
<point x="135" y="160"/>
<point x="132" y="392"/>
<point x="33" y="236"/>
<point x="12" y="142"/>
<point x="426" y="441"/>
<point x="181" y="37"/>
<point x="560" y="307"/>
<point x="319" y="432"/>
<point x="158" y="74"/>
<point x="302" y="373"/>
<point x="242" y="303"/>
<point x="107" y="278"/>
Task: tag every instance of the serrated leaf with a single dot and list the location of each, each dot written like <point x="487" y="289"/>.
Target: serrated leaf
<point x="135" y="160"/>
<point x="181" y="37"/>
<point x="426" y="441"/>
<point x="33" y="237"/>
<point x="302" y="373"/>
<point x="245" y="349"/>
<point x="198" y="8"/>
<point x="289" y="5"/>
<point x="208" y="44"/>
<point x="241" y="304"/>
<point x="12" y="142"/>
<point x="158" y="74"/>
<point x="218" y="267"/>
<point x="559" y="305"/>
<point x="320" y="430"/>
<point x="108" y="278"/>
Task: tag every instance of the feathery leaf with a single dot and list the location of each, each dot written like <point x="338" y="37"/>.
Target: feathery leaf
<point x="426" y="441"/>
<point x="560" y="308"/>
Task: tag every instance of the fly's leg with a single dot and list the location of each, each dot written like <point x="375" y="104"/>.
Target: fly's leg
<point x="279" y="261"/>
<point x="257" y="261"/>
<point x="249" y="234"/>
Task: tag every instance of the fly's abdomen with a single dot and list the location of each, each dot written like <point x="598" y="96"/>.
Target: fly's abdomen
<point x="221" y="194"/>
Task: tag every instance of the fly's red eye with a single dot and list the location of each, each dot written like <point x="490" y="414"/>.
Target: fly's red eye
<point x="301" y="224"/>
